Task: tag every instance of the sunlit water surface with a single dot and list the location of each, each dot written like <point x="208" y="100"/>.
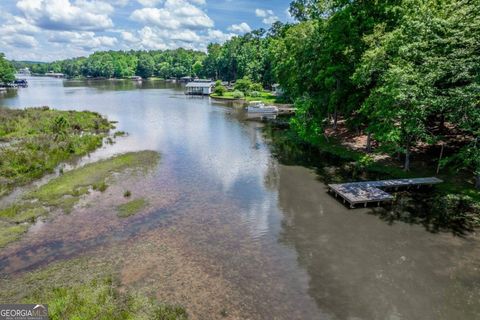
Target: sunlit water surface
<point x="280" y="244"/>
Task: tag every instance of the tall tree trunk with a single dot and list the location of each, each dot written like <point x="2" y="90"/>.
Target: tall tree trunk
<point x="477" y="180"/>
<point x="406" y="166"/>
<point x="335" y="112"/>
<point x="440" y="158"/>
<point x="335" y="119"/>
<point x="369" y="143"/>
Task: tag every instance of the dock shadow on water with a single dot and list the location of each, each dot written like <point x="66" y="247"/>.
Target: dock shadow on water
<point x="235" y="223"/>
<point x="420" y="206"/>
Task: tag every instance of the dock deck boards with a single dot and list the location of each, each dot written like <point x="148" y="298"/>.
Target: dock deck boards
<point x="371" y="191"/>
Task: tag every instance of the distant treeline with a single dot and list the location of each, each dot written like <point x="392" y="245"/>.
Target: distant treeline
<point x="123" y="64"/>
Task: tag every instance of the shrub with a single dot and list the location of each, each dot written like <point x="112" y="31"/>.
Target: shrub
<point x="256" y="87"/>
<point x="243" y="85"/>
<point x="220" y="90"/>
<point x="255" y="94"/>
<point x="127" y="194"/>
<point x="238" y="94"/>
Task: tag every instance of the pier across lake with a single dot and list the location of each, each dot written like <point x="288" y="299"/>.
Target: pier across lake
<point x="374" y="191"/>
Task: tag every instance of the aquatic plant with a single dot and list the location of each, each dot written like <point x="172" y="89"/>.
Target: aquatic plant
<point x="130" y="208"/>
<point x="100" y="299"/>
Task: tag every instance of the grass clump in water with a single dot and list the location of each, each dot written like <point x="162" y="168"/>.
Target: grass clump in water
<point x="11" y="232"/>
<point x="102" y="186"/>
<point x="132" y="207"/>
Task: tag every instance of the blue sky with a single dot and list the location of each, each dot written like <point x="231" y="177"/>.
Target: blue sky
<point x="47" y="30"/>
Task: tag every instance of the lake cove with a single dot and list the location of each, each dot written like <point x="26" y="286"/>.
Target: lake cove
<point x="230" y="221"/>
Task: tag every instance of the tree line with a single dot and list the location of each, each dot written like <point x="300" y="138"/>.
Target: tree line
<point x="124" y="64"/>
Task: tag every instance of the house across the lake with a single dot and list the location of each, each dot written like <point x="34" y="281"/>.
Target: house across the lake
<point x="200" y="87"/>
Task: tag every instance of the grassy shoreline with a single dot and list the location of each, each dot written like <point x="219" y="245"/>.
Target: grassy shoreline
<point x="265" y="97"/>
<point x="34" y="141"/>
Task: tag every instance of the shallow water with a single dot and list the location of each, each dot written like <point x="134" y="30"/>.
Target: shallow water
<point x="254" y="236"/>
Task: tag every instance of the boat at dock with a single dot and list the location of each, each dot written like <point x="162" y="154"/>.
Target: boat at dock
<point x="260" y="107"/>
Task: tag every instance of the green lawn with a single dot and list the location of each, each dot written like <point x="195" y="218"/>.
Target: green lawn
<point x="266" y="97"/>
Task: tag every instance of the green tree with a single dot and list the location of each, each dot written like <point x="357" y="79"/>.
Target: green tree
<point x="197" y="68"/>
<point x="146" y="65"/>
<point x="7" y="71"/>
<point x="425" y="68"/>
<point x="244" y="85"/>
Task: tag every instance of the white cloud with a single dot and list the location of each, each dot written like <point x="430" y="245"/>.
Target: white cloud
<point x="86" y="40"/>
<point x="268" y="16"/>
<point x="63" y="15"/>
<point x="17" y="25"/>
<point x="263" y="13"/>
<point x="240" y="28"/>
<point x="128" y="36"/>
<point x="175" y="14"/>
<point x="156" y="38"/>
<point x="217" y="36"/>
<point x="20" y="41"/>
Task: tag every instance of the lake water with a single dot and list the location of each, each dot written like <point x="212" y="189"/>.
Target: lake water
<point x="253" y="236"/>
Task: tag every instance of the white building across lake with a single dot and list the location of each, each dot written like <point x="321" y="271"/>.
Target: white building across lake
<point x="200" y="87"/>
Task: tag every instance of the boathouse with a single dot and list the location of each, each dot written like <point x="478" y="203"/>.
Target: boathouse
<point x="200" y="87"/>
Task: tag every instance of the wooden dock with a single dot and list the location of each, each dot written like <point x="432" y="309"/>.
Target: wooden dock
<point x="374" y="191"/>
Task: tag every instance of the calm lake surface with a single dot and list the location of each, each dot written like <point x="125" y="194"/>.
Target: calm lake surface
<point x="281" y="245"/>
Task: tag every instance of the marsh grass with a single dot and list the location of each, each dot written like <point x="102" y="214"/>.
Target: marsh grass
<point x="132" y="207"/>
<point x="99" y="299"/>
<point x="64" y="192"/>
<point x="36" y="140"/>
<point x="11" y="232"/>
<point x="84" y="288"/>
